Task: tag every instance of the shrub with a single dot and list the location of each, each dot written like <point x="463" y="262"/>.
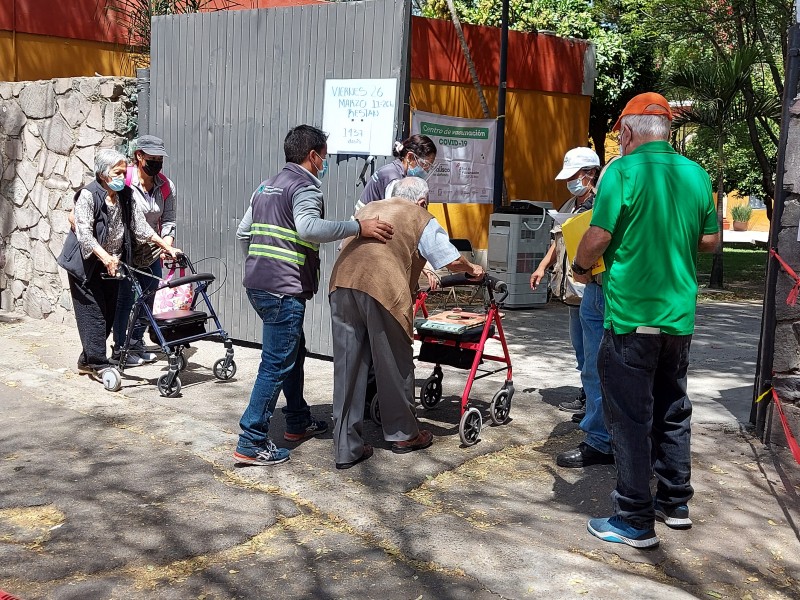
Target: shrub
<point x="741" y="213"/>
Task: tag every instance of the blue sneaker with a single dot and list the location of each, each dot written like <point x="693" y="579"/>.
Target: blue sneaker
<point x="270" y="455"/>
<point x="614" y="529"/>
<point x="676" y="517"/>
<point x="314" y="428"/>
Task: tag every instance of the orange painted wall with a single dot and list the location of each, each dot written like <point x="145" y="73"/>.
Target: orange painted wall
<point x="542" y="62"/>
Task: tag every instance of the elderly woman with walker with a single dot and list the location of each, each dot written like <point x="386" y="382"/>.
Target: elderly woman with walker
<point x="108" y="226"/>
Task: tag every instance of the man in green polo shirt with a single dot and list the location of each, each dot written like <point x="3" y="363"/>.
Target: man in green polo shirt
<point x="653" y="212"/>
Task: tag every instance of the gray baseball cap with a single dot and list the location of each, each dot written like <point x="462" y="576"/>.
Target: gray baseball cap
<point x="152" y="145"/>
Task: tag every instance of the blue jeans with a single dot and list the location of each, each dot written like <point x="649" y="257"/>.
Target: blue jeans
<point x="283" y="352"/>
<point x="649" y="415"/>
<point x="592" y="312"/>
<point x="576" y="333"/>
<point x="125" y="302"/>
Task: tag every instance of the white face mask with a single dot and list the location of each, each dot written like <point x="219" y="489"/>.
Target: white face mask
<point x="576" y="187"/>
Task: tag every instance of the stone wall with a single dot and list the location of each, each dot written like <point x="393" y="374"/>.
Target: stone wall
<point x="49" y="133"/>
<point x="786" y="361"/>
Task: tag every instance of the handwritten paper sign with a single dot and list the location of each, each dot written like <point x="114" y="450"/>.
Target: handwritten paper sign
<point x="359" y="115"/>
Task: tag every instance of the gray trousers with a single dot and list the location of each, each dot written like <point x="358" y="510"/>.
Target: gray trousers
<point x="361" y="328"/>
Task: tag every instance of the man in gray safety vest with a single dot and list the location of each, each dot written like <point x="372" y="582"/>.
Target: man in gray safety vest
<point x="281" y="232"/>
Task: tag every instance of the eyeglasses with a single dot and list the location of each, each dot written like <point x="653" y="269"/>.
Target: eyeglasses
<point x="427" y="165"/>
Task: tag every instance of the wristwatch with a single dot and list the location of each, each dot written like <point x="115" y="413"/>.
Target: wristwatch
<point x="579" y="270"/>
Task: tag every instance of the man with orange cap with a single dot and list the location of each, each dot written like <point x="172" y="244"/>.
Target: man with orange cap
<point x="652" y="213"/>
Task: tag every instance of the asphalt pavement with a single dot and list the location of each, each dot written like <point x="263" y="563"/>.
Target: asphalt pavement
<point x="132" y="495"/>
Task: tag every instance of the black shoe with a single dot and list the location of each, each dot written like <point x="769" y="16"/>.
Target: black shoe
<point x="578" y="416"/>
<point x="364" y="456"/>
<point x="583" y="456"/>
<point x="577" y="405"/>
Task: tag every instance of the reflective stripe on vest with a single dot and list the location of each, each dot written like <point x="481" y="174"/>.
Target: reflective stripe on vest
<point x="283" y="233"/>
<point x="277" y="253"/>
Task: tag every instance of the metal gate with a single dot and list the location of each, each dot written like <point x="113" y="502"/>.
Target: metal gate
<point x="225" y="89"/>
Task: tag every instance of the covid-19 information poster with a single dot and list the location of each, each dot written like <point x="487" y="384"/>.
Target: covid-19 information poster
<point x="464" y="170"/>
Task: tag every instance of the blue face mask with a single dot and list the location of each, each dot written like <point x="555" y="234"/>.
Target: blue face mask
<point x="417" y="172"/>
<point x="324" y="171"/>
<point x="117" y="184"/>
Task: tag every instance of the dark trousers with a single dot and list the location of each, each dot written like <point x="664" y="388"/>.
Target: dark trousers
<point x="94" y="304"/>
<point x="364" y="331"/>
<point x="648" y="414"/>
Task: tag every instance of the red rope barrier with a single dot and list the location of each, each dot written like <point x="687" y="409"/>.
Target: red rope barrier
<point x="791" y="299"/>
<point x="793" y="446"/>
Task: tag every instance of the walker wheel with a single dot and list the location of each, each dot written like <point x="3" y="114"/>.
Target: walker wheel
<point x="469" y="429"/>
<point x="375" y="410"/>
<point x="222" y="372"/>
<point x="165" y="389"/>
<point x="431" y="392"/>
<point x="112" y="380"/>
<point x="500" y="407"/>
<point x="182" y="362"/>
<point x="437" y="372"/>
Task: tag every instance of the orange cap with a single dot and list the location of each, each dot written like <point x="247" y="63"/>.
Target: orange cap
<point x="648" y="103"/>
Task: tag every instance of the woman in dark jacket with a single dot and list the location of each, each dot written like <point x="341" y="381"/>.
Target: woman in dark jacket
<point x="414" y="157"/>
<point x="107" y="226"/>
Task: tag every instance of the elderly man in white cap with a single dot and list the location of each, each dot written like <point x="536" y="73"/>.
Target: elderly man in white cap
<point x="580" y="171"/>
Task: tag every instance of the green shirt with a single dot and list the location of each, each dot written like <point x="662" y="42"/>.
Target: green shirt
<point x="656" y="205"/>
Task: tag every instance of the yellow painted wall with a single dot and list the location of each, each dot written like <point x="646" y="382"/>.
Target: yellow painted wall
<point x="6" y="56"/>
<point x="758" y="221"/>
<point x="540" y="128"/>
<point x="44" y="57"/>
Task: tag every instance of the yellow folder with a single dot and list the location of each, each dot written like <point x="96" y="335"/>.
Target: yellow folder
<point x="573" y="230"/>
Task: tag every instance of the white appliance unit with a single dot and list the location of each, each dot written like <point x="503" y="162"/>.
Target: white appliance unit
<point x="519" y="237"/>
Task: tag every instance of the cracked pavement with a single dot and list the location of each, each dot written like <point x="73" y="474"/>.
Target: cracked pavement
<point x="131" y="495"/>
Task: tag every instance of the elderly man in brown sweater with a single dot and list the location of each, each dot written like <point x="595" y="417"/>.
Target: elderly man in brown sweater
<point x="372" y="294"/>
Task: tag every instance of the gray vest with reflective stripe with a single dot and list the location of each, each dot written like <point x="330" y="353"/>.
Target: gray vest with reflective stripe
<point x="278" y="261"/>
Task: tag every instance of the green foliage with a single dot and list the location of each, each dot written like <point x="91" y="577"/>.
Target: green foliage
<point x="624" y="60"/>
<point x="740" y="171"/>
<point x="741" y="213"/>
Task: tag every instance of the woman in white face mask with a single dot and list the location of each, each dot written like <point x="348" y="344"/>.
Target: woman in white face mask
<point x="581" y="170"/>
<point x="108" y="225"/>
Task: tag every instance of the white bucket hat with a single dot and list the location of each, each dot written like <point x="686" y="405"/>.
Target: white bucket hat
<point x="577" y="159"/>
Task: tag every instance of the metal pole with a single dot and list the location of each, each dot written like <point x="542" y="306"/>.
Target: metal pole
<point x="143" y="100"/>
<point x="501" y="110"/>
<point x="766" y="351"/>
<point x="404" y="129"/>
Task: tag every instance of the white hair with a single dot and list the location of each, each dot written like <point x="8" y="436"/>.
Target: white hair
<point x="648" y="126"/>
<point x="411" y="188"/>
<point x="107" y="159"/>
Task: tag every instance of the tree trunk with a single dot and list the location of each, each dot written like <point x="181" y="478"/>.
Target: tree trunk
<point x="752" y="127"/>
<point x="468" y="57"/>
<point x="717" y="273"/>
<point x="597" y="131"/>
<point x="767" y="183"/>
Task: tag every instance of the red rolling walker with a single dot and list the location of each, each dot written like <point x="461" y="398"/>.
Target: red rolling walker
<point x="465" y="350"/>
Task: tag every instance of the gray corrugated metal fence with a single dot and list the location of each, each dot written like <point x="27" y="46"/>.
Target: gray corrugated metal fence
<point x="225" y="89"/>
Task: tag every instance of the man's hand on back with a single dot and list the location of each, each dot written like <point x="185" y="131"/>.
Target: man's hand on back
<point x="375" y="228"/>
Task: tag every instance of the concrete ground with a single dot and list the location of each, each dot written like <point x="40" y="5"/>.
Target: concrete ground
<point x="131" y="495"/>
